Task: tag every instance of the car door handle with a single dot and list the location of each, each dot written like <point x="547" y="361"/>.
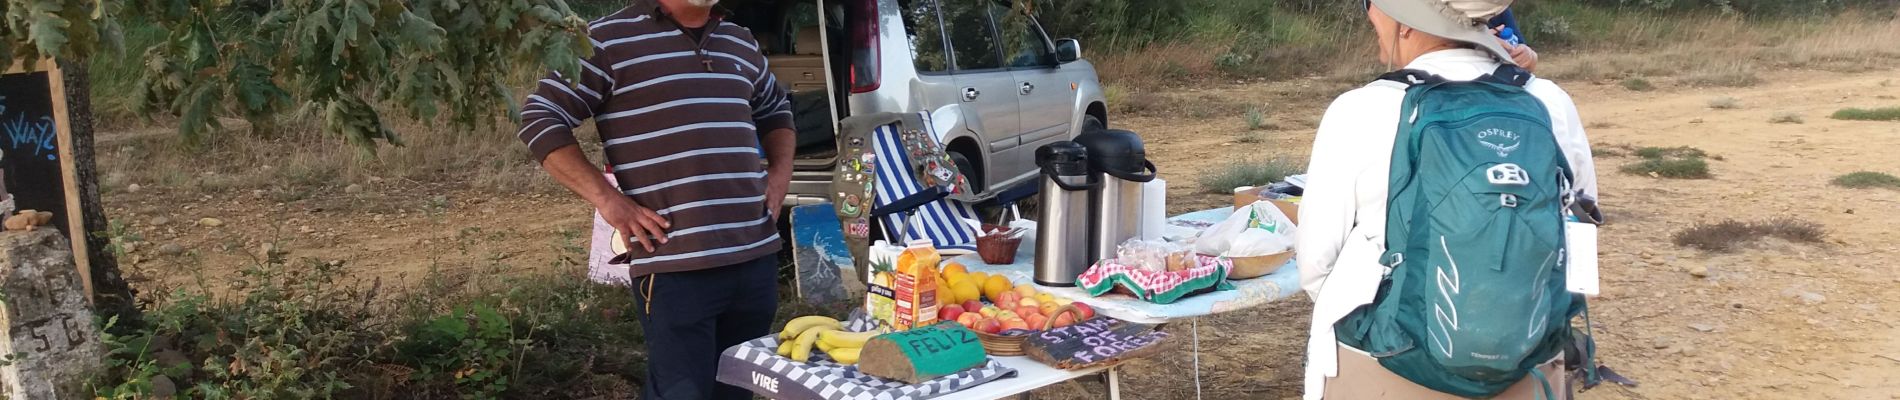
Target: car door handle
<point x="1028" y="87"/>
<point x="970" y="94"/>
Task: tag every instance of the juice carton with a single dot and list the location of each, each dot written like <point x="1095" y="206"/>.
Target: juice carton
<point x="880" y="295"/>
<point x="916" y="290"/>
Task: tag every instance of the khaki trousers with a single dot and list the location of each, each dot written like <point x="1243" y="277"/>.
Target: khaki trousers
<point x="1361" y="377"/>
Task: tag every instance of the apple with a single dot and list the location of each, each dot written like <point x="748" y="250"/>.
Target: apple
<point x="1028" y="302"/>
<point x="1064" y="302"/>
<point x="1026" y="291"/>
<point x="970" y="320"/>
<point x="972" y="305"/>
<point x="1086" y="311"/>
<point x="1036" y="322"/>
<point x="1007" y="297"/>
<point x="1026" y="311"/>
<point x="1045" y="298"/>
<point x="1008" y="304"/>
<point x="1049" y="308"/>
<point x="1065" y="319"/>
<point x="1015" y="323"/>
<point x="949" y="312"/>
<point x="1007" y="315"/>
<point x="987" y="311"/>
<point x="989" y="325"/>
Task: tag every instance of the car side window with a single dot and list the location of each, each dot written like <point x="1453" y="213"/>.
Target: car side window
<point x="972" y="41"/>
<point x="927" y="49"/>
<point x="1022" y="42"/>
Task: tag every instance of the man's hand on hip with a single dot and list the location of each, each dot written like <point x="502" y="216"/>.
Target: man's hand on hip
<point x="779" y="145"/>
<point x="638" y="224"/>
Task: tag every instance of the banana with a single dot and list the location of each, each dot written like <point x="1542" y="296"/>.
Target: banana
<point x="784" y="348"/>
<point x="842" y="339"/>
<point x="823" y="345"/>
<point x="801" y="349"/>
<point x="801" y="324"/>
<point x="845" y="356"/>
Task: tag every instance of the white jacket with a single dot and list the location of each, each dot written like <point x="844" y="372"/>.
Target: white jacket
<point x="1342" y="215"/>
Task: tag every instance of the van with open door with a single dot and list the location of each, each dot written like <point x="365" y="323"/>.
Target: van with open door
<point x="995" y="83"/>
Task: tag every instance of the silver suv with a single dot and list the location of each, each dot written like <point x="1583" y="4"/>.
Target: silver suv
<point x="986" y="63"/>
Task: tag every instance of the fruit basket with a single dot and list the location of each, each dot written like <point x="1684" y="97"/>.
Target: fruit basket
<point x="1010" y="343"/>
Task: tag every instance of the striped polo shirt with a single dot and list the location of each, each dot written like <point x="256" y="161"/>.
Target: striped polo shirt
<point x="681" y="118"/>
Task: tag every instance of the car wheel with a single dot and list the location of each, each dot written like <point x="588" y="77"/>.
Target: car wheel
<point x="1092" y="124"/>
<point x="968" y="169"/>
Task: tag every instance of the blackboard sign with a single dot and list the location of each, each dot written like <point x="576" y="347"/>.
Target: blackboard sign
<point x="1097" y="341"/>
<point x="36" y="152"/>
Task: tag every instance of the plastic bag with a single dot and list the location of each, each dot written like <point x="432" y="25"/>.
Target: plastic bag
<point x="1258" y="242"/>
<point x="1150" y="255"/>
<point x="1262" y="215"/>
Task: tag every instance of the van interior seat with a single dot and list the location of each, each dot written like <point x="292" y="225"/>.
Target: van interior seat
<point x="804" y="69"/>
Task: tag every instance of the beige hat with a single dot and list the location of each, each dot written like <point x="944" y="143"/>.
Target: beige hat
<point x="1459" y="20"/>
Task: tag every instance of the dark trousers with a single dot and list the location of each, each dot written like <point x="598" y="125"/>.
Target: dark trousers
<point x="691" y="317"/>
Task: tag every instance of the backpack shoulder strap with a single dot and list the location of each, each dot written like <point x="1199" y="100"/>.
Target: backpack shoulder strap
<point x="1411" y="77"/>
<point x="1509" y="75"/>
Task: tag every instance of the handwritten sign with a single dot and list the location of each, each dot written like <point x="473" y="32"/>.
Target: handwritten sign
<point x="922" y="354"/>
<point x="1097" y="341"/>
<point x="36" y="152"/>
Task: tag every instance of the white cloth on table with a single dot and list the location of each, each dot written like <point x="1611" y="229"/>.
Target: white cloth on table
<point x="1342" y="214"/>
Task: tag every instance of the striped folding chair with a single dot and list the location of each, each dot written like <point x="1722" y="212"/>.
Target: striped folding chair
<point x="900" y="196"/>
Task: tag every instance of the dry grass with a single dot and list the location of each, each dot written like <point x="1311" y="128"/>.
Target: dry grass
<point x="301" y="162"/>
<point x="1787" y="117"/>
<point x="1729" y="234"/>
<point x="1248" y="173"/>
<point x="1727" y="51"/>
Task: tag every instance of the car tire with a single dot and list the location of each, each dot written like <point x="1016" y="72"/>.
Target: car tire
<point x="1092" y="124"/>
<point x="967" y="168"/>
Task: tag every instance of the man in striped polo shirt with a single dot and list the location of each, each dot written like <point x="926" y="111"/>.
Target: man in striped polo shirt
<point x="685" y="105"/>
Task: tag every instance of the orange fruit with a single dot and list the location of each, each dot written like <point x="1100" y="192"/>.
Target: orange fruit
<point x="965" y="290"/>
<point x="995" y="286"/>
<point x="954" y="268"/>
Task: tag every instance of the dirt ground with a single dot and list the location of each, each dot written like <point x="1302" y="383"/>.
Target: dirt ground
<point x="1775" y="320"/>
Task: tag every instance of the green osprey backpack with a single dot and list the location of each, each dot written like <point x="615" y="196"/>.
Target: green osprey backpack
<point x="1475" y="297"/>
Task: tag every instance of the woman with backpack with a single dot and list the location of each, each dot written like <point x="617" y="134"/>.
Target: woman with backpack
<point x="1460" y="293"/>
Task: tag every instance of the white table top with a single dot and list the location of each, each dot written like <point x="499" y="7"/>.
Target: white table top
<point x="1030" y="375"/>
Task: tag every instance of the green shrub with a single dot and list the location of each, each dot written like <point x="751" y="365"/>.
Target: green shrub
<point x="1726" y="235"/>
<point x="1248" y="173"/>
<point x="1862" y="114"/>
<point x="1638" y="85"/>
<point x="1867" y="179"/>
<point x="1257" y="119"/>
<point x="1725" y="103"/>
<point x="1680" y="168"/>
<point x="1787" y="117"/>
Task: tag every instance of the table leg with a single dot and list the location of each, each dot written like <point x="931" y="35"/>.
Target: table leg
<point x="1114" y="383"/>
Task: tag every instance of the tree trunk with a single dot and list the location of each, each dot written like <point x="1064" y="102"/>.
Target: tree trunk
<point x="112" y="296"/>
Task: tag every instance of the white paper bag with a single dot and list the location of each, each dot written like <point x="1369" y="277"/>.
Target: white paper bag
<point x="1581" y="249"/>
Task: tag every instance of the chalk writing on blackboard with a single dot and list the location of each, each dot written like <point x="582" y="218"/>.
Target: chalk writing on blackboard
<point x="1093" y="342"/>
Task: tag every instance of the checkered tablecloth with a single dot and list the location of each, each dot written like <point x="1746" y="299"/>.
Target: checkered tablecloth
<point x="756" y="365"/>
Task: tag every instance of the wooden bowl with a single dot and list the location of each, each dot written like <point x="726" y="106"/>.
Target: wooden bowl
<point x="1258" y="266"/>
